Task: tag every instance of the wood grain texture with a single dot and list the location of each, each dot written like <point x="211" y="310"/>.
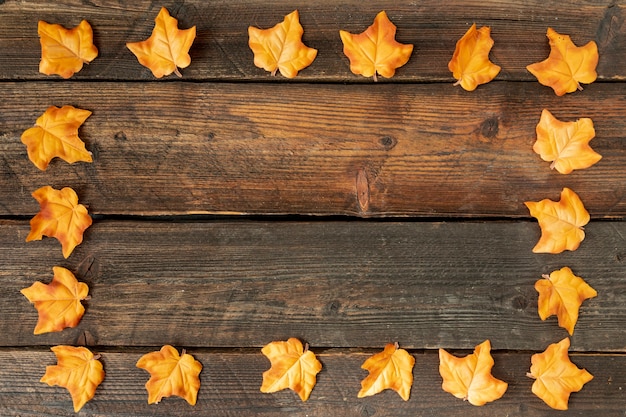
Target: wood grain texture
<point x="411" y="149"/>
<point x="231" y="380"/>
<point x="331" y="283"/>
<point x="221" y="52"/>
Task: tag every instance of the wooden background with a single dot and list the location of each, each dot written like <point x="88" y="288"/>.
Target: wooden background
<point x="232" y="208"/>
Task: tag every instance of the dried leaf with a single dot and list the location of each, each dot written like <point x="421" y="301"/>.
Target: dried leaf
<point x="390" y="369"/>
<point x="556" y="377"/>
<point x="292" y="366"/>
<point x="167" y="49"/>
<point x="56" y="135"/>
<point x="64" y="51"/>
<point x="470" y="63"/>
<point x="561" y="222"/>
<point x="171" y="374"/>
<point x="280" y="48"/>
<point x="57" y="303"/>
<point x="562" y="293"/>
<point x="567" y="65"/>
<point x="78" y="370"/>
<point x="470" y="377"/>
<point x="375" y="51"/>
<point x="565" y="144"/>
<point x="60" y="216"/>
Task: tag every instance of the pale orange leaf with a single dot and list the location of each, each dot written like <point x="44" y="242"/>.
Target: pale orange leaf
<point x="390" y="369"/>
<point x="470" y="63"/>
<point x="64" y="51"/>
<point x="77" y="370"/>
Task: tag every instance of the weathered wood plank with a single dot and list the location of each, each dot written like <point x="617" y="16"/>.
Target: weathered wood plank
<point x="231" y="381"/>
<point x="426" y="150"/>
<point x="221" y="52"/>
<point x="331" y="283"/>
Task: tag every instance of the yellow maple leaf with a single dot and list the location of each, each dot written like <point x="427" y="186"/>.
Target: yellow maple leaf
<point x="59" y="216"/>
<point x="556" y="377"/>
<point x="376" y="50"/>
<point x="567" y="65"/>
<point x="56" y="135"/>
<point x="470" y="63"/>
<point x="57" y="303"/>
<point x="292" y="366"/>
<point x="470" y="378"/>
<point x="390" y="369"/>
<point x="167" y="49"/>
<point x="561" y="222"/>
<point x="280" y="48"/>
<point x="565" y="144"/>
<point x="77" y="370"/>
<point x="562" y="293"/>
<point x="64" y="51"/>
<point x="171" y="374"/>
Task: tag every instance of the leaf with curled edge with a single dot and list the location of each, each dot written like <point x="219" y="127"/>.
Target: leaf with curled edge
<point x="390" y="369"/>
<point x="470" y="63"/>
<point x="64" y="51"/>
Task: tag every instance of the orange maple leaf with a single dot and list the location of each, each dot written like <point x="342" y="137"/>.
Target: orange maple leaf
<point x="567" y="65"/>
<point x="280" y="48"/>
<point x="64" y="51"/>
<point x="60" y="216"/>
<point x="390" y="369"/>
<point x="56" y="135"/>
<point x="556" y="377"/>
<point x="171" y="374"/>
<point x="57" y="303"/>
<point x="470" y="377"/>
<point x="562" y="293"/>
<point x="375" y="51"/>
<point x="78" y="370"/>
<point x="292" y="366"/>
<point x="167" y="49"/>
<point x="470" y="63"/>
<point x="561" y="222"/>
<point x="565" y="144"/>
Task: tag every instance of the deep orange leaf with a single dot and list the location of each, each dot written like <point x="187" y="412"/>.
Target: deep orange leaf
<point x="167" y="49"/>
<point x="565" y="144"/>
<point x="77" y="370"/>
<point x="292" y="366"/>
<point x="280" y="48"/>
<point x="470" y="63"/>
<point x="390" y="369"/>
<point x="57" y="303"/>
<point x="375" y="51"/>
<point x="60" y="216"/>
<point x="64" y="51"/>
<point x="556" y="377"/>
<point x="567" y="65"/>
<point x="171" y="374"/>
<point x="561" y="222"/>
<point x="562" y="293"/>
<point x="56" y="135"/>
<point x="470" y="377"/>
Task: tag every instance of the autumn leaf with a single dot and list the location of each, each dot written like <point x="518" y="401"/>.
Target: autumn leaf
<point x="78" y="370"/>
<point x="565" y="144"/>
<point x="292" y="366"/>
<point x="567" y="65"/>
<point x="470" y="377"/>
<point x="64" y="51"/>
<point x="280" y="48"/>
<point x="562" y="293"/>
<point x="390" y="369"/>
<point x="60" y="216"/>
<point x="57" y="303"/>
<point x="375" y="51"/>
<point x="556" y="377"/>
<point x="167" y="49"/>
<point x="561" y="222"/>
<point x="56" y="135"/>
<point x="470" y="63"/>
<point x="171" y="374"/>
